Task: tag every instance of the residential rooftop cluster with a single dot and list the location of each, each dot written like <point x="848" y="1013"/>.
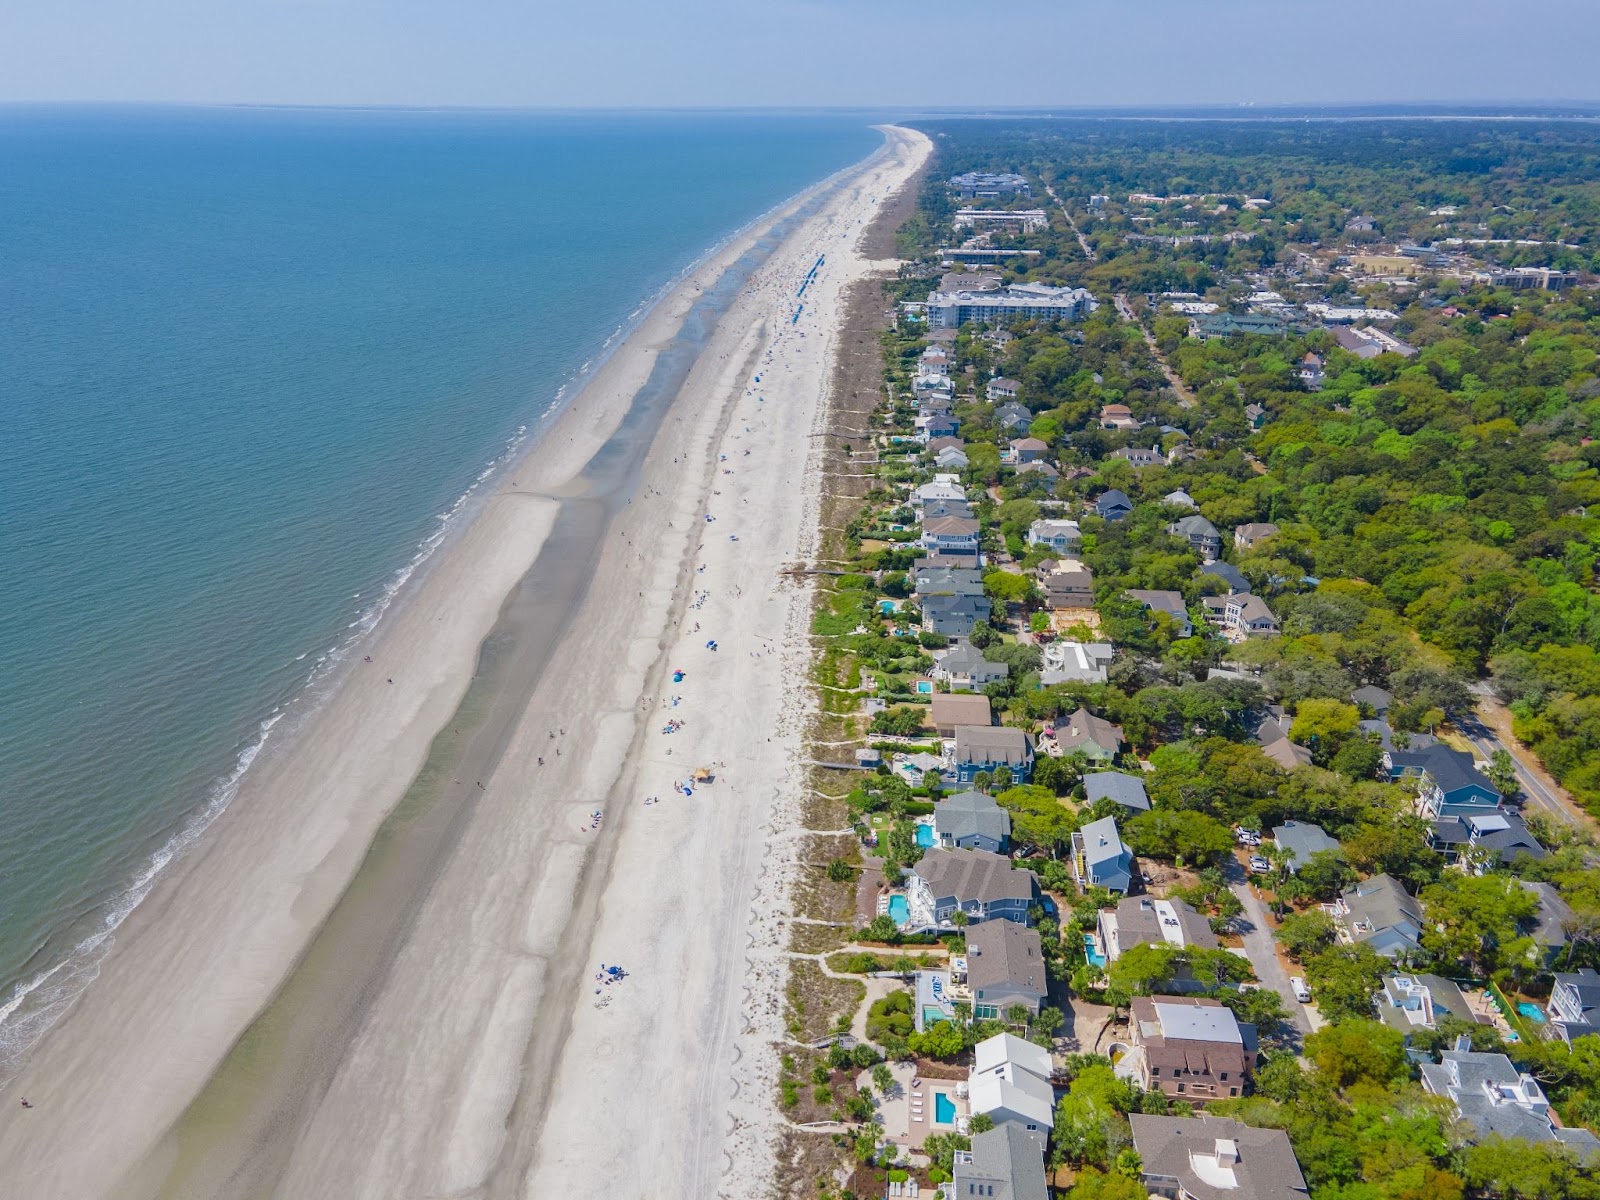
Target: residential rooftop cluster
<point x="1175" y="802"/>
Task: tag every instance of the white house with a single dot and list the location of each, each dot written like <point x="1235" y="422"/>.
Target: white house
<point x="1010" y="1082"/>
<point x="1063" y="537"/>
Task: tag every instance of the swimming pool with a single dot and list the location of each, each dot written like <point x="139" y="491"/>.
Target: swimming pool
<point x="1532" y="1011"/>
<point x="1093" y="955"/>
<point x="899" y="910"/>
<point x="924" y="836"/>
<point x="944" y="1109"/>
<point x="932" y="1015"/>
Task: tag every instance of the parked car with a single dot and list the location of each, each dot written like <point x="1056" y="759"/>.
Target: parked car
<point x="1301" y="992"/>
<point x="1259" y="865"/>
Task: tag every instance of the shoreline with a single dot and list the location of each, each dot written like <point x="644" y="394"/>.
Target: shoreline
<point x="434" y="635"/>
<point x="62" y="978"/>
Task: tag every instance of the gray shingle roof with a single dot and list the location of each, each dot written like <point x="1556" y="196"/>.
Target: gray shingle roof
<point x="1007" y="1164"/>
<point x="1302" y="839"/>
<point x="1229" y="574"/>
<point x="1003" y="952"/>
<point x="1084" y="727"/>
<point x="993" y="743"/>
<point x="1170" y="603"/>
<point x="974" y="875"/>
<point x="1124" y="789"/>
<point x="1451" y="769"/>
<point x="1266" y="1168"/>
<point x="1380" y="904"/>
<point x="971" y="814"/>
<point x="1139" y="922"/>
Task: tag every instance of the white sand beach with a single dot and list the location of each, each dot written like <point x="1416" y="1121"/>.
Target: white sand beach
<point x="480" y="1061"/>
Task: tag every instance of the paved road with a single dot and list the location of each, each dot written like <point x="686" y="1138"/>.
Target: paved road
<point x="1259" y="946"/>
<point x="1486" y="742"/>
<point x="1125" y="311"/>
<point x="1082" y="241"/>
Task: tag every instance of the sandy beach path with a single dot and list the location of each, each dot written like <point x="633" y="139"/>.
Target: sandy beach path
<point x="456" y="1051"/>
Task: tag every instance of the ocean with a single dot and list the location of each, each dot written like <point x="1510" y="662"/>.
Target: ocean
<point x="252" y="363"/>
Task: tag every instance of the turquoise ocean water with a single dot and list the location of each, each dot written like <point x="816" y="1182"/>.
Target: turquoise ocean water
<point x="250" y="361"/>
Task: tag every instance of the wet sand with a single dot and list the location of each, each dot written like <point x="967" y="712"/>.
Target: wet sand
<point x="433" y="1030"/>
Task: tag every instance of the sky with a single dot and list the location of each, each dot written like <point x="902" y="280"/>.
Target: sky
<point x="835" y="53"/>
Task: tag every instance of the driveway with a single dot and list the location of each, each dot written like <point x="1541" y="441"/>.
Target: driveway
<point x="1258" y="944"/>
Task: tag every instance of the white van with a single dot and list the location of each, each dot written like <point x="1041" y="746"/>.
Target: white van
<point x="1301" y="992"/>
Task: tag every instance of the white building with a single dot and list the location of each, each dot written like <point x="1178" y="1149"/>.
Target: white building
<point x="1021" y="302"/>
<point x="1010" y="1081"/>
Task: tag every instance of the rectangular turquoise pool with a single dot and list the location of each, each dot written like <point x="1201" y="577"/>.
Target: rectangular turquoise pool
<point x="899" y="910"/>
<point x="1094" y="956"/>
<point x="925" y="836"/>
<point x="944" y="1109"/>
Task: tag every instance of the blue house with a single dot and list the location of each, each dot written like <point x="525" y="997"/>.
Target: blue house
<point x="990" y="747"/>
<point x="1448" y="785"/>
<point x="1114" y="505"/>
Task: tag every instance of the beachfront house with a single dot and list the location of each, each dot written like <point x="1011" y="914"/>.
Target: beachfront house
<point x="1010" y="1084"/>
<point x="1002" y="388"/>
<point x="987" y="748"/>
<point x="1380" y="913"/>
<point x="1005" y="1163"/>
<point x="1100" y="858"/>
<point x="946" y="581"/>
<point x="953" y="616"/>
<point x="1190" y="1047"/>
<point x="954" y="536"/>
<point x="1215" y="1158"/>
<point x="1114" y="785"/>
<point x="949" y="711"/>
<point x="977" y="883"/>
<point x="971" y="821"/>
<point x="1005" y="969"/>
<point x="941" y="487"/>
<point x="965" y="668"/>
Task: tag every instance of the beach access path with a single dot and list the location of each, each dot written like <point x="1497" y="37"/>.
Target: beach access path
<point x="477" y="1062"/>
